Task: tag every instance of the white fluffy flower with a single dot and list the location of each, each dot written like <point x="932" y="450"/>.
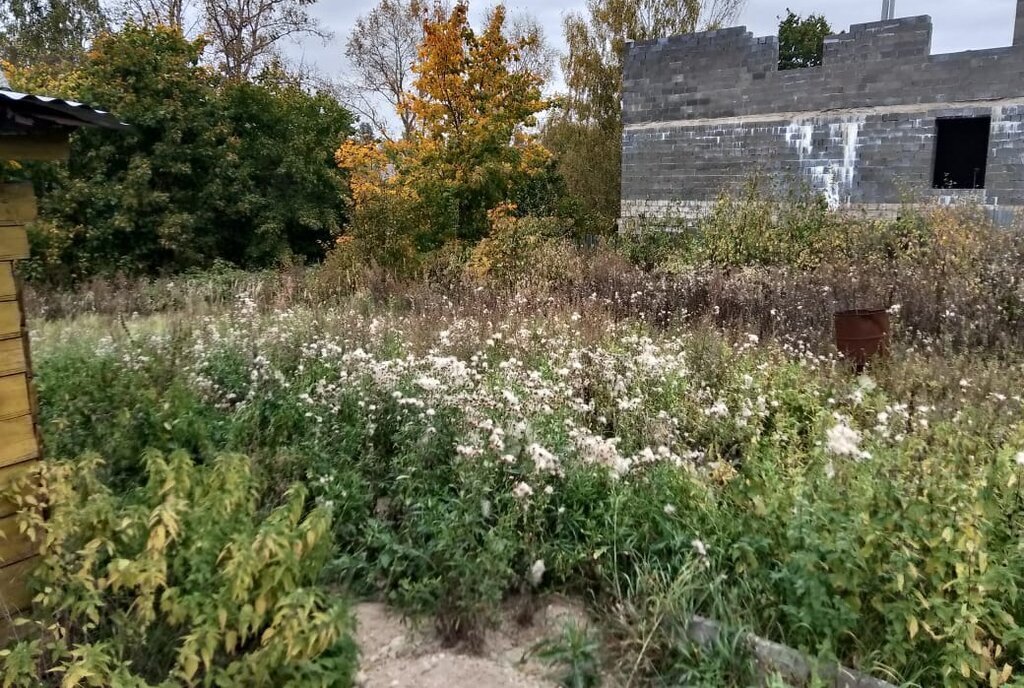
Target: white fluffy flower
<point x="718" y="409"/>
<point x="1019" y="458"/>
<point x="603" y="451"/>
<point x="543" y="460"/>
<point x="669" y="510"/>
<point x="427" y="384"/>
<point x="522" y="490"/>
<point x="537" y="572"/>
<point x="699" y="548"/>
<point x="842" y="440"/>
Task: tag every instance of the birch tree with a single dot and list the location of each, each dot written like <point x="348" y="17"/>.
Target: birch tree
<point x="587" y="132"/>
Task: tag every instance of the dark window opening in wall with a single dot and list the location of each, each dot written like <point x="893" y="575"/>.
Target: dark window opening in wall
<point x="961" y="152"/>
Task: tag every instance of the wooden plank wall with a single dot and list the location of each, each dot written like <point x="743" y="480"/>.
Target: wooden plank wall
<point x="19" y="436"/>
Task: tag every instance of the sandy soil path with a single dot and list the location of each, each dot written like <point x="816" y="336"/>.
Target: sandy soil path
<point x="393" y="655"/>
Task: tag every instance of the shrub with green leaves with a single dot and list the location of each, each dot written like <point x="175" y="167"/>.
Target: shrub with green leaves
<point x="185" y="581"/>
<point x="210" y="170"/>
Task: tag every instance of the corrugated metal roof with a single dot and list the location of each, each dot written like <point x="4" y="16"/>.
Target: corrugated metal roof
<point x="57" y="111"/>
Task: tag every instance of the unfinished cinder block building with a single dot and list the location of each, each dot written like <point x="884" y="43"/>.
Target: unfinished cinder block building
<point x="880" y="121"/>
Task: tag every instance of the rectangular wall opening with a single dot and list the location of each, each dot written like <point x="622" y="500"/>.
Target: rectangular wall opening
<point x="961" y="152"/>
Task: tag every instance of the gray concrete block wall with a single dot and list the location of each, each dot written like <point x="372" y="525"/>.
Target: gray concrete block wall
<point x="885" y="40"/>
<point x="1018" y="31"/>
<point x="703" y="112"/>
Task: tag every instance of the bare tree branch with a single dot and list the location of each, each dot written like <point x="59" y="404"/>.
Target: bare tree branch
<point x="181" y="14"/>
<point x="371" y="108"/>
<point x="537" y="56"/>
<point x="381" y="49"/>
<point x="245" y="34"/>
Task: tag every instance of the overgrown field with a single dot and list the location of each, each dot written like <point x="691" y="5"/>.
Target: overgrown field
<point x="657" y="456"/>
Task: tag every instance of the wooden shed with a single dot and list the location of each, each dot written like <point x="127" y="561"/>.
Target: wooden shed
<point x="32" y="127"/>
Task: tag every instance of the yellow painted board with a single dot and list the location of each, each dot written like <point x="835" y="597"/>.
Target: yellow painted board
<point x="17" y="201"/>
<point x="17" y="440"/>
<point x="15" y="398"/>
<point x="14" y="546"/>
<point x="13" y="242"/>
<point x="12" y="356"/>
<point x="41" y="145"/>
<point x="14" y="594"/>
<point x="10" y="474"/>
<point x="8" y="287"/>
<point x="10" y="318"/>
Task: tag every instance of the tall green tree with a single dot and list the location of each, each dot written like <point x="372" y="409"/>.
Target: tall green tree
<point x="802" y="40"/>
<point x="139" y="201"/>
<point x="587" y="133"/>
<point x="288" y="196"/>
<point x="48" y="31"/>
<point x="211" y="169"/>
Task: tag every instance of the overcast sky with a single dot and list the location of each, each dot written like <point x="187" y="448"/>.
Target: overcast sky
<point x="959" y="25"/>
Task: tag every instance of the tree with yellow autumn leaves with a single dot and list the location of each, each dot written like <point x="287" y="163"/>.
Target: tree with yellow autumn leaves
<point x="474" y="105"/>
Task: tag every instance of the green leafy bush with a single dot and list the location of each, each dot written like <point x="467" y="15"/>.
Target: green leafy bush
<point x="516" y="247"/>
<point x="183" y="582"/>
<point x="209" y="170"/>
<point x="762" y="226"/>
<point x="387" y="230"/>
<point x="794" y="228"/>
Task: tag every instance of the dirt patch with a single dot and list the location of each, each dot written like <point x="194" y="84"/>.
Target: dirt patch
<point x="394" y="655"/>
